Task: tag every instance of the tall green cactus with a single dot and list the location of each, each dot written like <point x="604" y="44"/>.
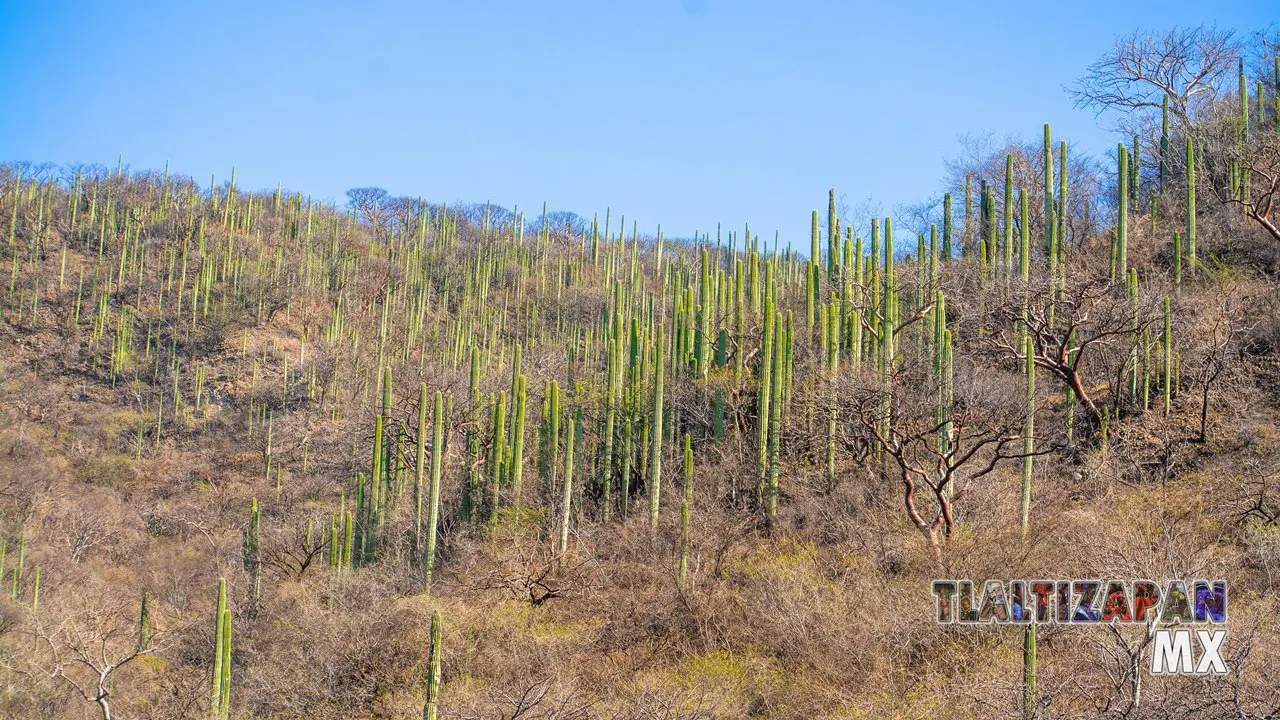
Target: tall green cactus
<point x="1122" y="212"/>
<point x="471" y="482"/>
<point x="1050" y="249"/>
<point x="968" y="247"/>
<point x="833" y="237"/>
<point x="1164" y="141"/>
<point x="775" y="423"/>
<point x="431" y="703"/>
<point x="517" y="441"/>
<point x="767" y="379"/>
<point x="1006" y="259"/>
<point x="497" y="453"/>
<point x="220" y="688"/>
<point x="433" y="512"/>
<point x="1028" y="434"/>
<point x="718" y="399"/>
<point x="655" y="457"/>
<point x="552" y="419"/>
<point x="566" y="501"/>
<point x="252" y="563"/>
<point x="1166" y="382"/>
<point x="1177" y="257"/>
<point x="946" y="227"/>
<point x="1030" y="700"/>
<point x="1060" y="233"/>
<point x="942" y="372"/>
<point x="419" y="470"/>
<point x="812" y="289"/>
<point x="686" y="510"/>
<point x="224" y="697"/>
<point x="889" y="302"/>
<point x="509" y="444"/>
<point x="613" y="387"/>
<point x="144" y="623"/>
<point x="1191" y="207"/>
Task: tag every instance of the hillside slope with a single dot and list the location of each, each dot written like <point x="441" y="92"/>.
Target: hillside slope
<point x="207" y="383"/>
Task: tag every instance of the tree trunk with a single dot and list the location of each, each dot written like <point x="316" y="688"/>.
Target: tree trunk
<point x="101" y="699"/>
<point x="1266" y="223"/>
<point x="1072" y="378"/>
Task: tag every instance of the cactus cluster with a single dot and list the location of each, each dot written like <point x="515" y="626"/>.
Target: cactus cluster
<point x="617" y="352"/>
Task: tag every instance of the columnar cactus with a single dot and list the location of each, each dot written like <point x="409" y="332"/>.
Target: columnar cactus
<point x="566" y="502"/>
<point x="437" y="464"/>
<point x="767" y="379"/>
<point x="1122" y="212"/>
<point x="775" y="424"/>
<point x="686" y="510"/>
<point x="1191" y="208"/>
<point x="1029" y="699"/>
<point x="1049" y="247"/>
<point x="946" y="227"/>
<point x="220" y="688"/>
<point x="516" y="472"/>
<point x="552" y="419"/>
<point x="812" y="289"/>
<point x="968" y="247"/>
<point x="889" y="302"/>
<point x="1164" y="141"/>
<point x="655" y="455"/>
<point x="497" y="453"/>
<point x="1166" y="381"/>
<point x="420" y="464"/>
<point x="613" y="387"/>
<point x="718" y="399"/>
<point x="1028" y="433"/>
<point x="431" y="704"/>
<point x="1060" y="234"/>
<point x="144" y="623"/>
<point x="942" y="371"/>
<point x="1177" y="257"/>
<point x="252" y="563"/>
<point x="1007" y="254"/>
<point x="471" y="483"/>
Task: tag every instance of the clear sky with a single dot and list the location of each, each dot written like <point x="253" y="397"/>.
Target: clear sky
<point x="679" y="112"/>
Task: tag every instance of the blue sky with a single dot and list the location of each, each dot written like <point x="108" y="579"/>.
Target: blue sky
<point x="679" y="112"/>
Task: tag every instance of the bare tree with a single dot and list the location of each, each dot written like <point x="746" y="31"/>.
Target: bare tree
<point x="1187" y="64"/>
<point x="1217" y="339"/>
<point x="373" y="204"/>
<point x="1068" y="328"/>
<point x="291" y="551"/>
<point x="87" y="650"/>
<point x="938" y="460"/>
